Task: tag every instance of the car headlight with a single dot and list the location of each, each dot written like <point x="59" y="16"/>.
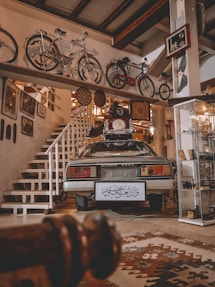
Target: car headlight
<point x="81" y="172"/>
<point x="156" y="170"/>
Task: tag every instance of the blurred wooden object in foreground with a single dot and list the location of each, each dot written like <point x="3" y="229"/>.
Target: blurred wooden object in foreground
<point x="58" y="251"/>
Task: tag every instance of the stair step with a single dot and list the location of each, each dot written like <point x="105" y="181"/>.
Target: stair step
<point x="30" y="180"/>
<point x="26" y="196"/>
<point x="27" y="192"/>
<point x="33" y="183"/>
<point x="38" y="170"/>
<point x="54" y="135"/>
<point x="46" y="146"/>
<point x="25" y="206"/>
<point x="36" y="173"/>
<point x="42" y="153"/>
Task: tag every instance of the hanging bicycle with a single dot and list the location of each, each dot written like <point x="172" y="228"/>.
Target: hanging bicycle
<point x="48" y="52"/>
<point x="8" y="47"/>
<point x="164" y="90"/>
<point x="120" y="72"/>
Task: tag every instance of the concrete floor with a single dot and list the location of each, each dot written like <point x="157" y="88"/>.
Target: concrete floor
<point x="126" y="220"/>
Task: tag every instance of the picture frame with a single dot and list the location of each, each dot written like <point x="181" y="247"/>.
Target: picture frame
<point x="41" y="110"/>
<point x="27" y="126"/>
<point x="10" y="99"/>
<point x="178" y="42"/>
<point x="140" y="110"/>
<point x="27" y="104"/>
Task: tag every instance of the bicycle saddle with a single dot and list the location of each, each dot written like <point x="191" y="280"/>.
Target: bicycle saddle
<point x="60" y="32"/>
<point x="126" y="60"/>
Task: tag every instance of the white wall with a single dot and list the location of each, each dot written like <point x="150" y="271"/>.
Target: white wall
<point x="207" y="70"/>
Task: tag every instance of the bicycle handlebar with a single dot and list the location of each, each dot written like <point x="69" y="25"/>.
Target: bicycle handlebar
<point x="138" y="65"/>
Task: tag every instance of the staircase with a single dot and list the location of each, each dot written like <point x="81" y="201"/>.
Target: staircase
<point x="41" y="182"/>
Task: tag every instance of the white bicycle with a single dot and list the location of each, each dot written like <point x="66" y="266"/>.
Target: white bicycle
<point x="47" y="52"/>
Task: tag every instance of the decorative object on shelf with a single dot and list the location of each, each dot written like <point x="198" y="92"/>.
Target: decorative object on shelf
<point x="182" y="154"/>
<point x="192" y="214"/>
<point x="27" y="104"/>
<point x="27" y="126"/>
<point x="99" y="98"/>
<point x="192" y="153"/>
<point x="140" y="110"/>
<point x="41" y="110"/>
<point x="83" y="96"/>
<point x="10" y="99"/>
<point x="188" y="184"/>
<point x="178" y="41"/>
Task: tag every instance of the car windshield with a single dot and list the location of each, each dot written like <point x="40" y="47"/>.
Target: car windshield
<point x="117" y="148"/>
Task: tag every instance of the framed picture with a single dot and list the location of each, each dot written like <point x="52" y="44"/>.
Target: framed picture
<point x="140" y="110"/>
<point x="10" y="99"/>
<point x="178" y="41"/>
<point x="27" y="126"/>
<point x="27" y="104"/>
<point x="41" y="110"/>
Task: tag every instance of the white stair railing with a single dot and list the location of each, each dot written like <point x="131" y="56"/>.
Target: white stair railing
<point x="70" y="140"/>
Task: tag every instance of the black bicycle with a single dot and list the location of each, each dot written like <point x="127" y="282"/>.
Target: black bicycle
<point x="8" y="47"/>
<point x="164" y="90"/>
<point x="120" y="72"/>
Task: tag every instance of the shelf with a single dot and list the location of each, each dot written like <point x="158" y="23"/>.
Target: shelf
<point x="197" y="221"/>
<point x="49" y="79"/>
<point x="195" y="160"/>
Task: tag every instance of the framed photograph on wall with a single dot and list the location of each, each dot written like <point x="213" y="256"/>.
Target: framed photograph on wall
<point x="10" y="99"/>
<point x="140" y="110"/>
<point x="27" y="104"/>
<point x="27" y="126"/>
<point x="178" y="42"/>
<point x="41" y="110"/>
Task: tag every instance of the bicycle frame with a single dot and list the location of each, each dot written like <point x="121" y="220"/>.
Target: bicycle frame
<point x="48" y="52"/>
<point x="129" y="80"/>
<point x="61" y="57"/>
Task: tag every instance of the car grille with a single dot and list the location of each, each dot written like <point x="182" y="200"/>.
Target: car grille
<point x="116" y="172"/>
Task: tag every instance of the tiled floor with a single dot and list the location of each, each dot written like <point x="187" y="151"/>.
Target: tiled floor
<point x="126" y="219"/>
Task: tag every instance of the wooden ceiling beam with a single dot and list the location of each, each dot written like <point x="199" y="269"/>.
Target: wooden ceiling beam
<point x="141" y="24"/>
<point x="120" y="9"/>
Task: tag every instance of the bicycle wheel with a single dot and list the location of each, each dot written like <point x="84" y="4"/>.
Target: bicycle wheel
<point x="89" y="69"/>
<point x="164" y="91"/>
<point x="42" y="54"/>
<point x="146" y="86"/>
<point x="8" y="47"/>
<point x="114" y="75"/>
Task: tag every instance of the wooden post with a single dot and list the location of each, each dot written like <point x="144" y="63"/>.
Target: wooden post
<point x="58" y="252"/>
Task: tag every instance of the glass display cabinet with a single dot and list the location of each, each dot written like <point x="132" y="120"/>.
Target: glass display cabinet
<point x="195" y="147"/>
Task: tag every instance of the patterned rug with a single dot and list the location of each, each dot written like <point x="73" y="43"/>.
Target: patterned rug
<point x="153" y="258"/>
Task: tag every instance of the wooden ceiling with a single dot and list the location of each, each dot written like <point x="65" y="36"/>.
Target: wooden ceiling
<point x="141" y="24"/>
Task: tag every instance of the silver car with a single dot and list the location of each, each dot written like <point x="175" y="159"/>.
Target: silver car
<point x="119" y="170"/>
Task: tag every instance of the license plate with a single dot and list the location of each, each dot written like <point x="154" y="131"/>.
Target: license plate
<point x="120" y="191"/>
